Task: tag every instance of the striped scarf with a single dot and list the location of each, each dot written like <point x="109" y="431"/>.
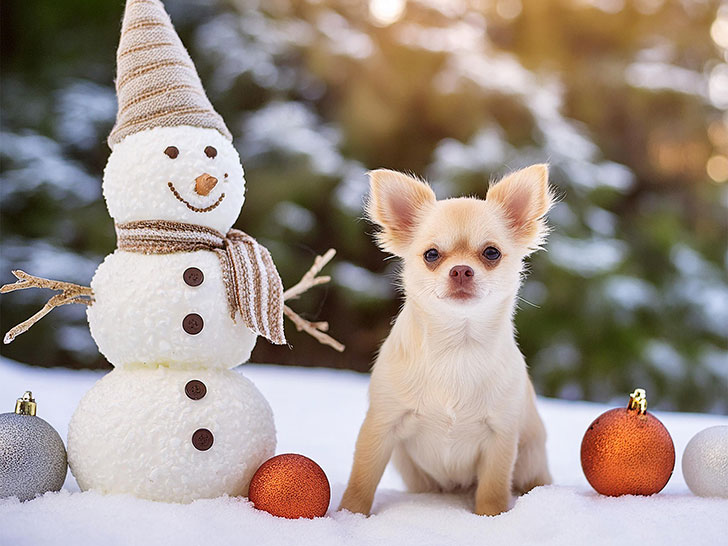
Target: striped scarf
<point x="252" y="284"/>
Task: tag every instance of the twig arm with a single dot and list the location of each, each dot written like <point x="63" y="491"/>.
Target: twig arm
<point x="309" y="280"/>
<point x="70" y="293"/>
<point x="31" y="281"/>
<point x="314" y="329"/>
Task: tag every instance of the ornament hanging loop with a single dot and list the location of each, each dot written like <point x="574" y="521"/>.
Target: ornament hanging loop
<point x="26" y="404"/>
<point x="638" y="401"/>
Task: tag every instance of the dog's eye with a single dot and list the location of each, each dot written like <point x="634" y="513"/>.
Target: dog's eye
<point x="491" y="253"/>
<point x="171" y="152"/>
<point x="210" y="152"/>
<point x="431" y="255"/>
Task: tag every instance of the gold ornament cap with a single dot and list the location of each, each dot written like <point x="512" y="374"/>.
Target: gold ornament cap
<point x="638" y="401"/>
<point x="26" y="404"/>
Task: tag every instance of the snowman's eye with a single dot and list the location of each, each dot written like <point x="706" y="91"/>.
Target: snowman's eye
<point x="210" y="151"/>
<point x="171" y="152"/>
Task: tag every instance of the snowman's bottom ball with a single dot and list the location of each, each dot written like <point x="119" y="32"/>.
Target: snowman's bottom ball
<point x="32" y="457"/>
<point x="705" y="462"/>
<point x="154" y="434"/>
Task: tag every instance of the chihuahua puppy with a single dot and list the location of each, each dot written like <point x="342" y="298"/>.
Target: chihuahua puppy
<point x="450" y="399"/>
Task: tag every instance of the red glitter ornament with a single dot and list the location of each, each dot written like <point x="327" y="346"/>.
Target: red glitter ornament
<point x="290" y="486"/>
<point x="627" y="451"/>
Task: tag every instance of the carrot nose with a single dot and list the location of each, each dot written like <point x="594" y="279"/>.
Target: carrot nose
<point x="204" y="184"/>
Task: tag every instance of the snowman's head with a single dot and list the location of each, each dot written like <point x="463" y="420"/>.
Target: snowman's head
<point x="181" y="174"/>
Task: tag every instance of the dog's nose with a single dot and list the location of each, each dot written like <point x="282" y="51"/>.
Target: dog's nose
<point x="204" y="184"/>
<point x="461" y="273"/>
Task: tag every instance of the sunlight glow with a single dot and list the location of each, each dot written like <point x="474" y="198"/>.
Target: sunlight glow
<point x="386" y="12"/>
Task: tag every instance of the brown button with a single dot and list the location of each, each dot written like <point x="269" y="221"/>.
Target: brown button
<point x="193" y="276"/>
<point x="202" y="439"/>
<point x="193" y="324"/>
<point x="195" y="389"/>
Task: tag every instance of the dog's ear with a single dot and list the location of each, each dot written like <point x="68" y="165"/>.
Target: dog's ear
<point x="525" y="198"/>
<point x="396" y="203"/>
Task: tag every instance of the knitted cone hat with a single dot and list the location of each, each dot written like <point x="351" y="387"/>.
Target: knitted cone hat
<point x="156" y="82"/>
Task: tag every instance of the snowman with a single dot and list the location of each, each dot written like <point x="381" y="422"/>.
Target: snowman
<point x="182" y="299"/>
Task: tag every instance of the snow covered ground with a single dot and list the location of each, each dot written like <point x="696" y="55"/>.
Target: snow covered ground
<point x="318" y="413"/>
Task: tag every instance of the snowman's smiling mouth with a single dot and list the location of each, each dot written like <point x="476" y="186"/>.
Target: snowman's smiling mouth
<point x="190" y="205"/>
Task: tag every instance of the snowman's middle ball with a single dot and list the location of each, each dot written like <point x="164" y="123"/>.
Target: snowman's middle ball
<point x="142" y="302"/>
<point x="159" y="435"/>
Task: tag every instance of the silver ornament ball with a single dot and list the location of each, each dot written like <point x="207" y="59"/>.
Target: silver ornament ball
<point x="32" y="457"/>
<point x="705" y="462"/>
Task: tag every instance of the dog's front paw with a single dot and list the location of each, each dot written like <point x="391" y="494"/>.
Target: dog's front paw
<point x="491" y="507"/>
<point x="536" y="482"/>
<point x="355" y="503"/>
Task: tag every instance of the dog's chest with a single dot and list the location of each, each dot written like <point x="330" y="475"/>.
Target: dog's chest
<point x="453" y="406"/>
<point x="444" y="433"/>
<point x="445" y="441"/>
<point x="444" y="416"/>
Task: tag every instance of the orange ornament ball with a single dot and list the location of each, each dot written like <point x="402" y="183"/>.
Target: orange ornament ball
<point x="627" y="451"/>
<point x="290" y="486"/>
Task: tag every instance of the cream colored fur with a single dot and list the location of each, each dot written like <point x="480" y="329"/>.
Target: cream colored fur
<point x="450" y="397"/>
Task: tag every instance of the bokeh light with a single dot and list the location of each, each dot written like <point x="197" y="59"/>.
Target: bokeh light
<point x="509" y="9"/>
<point x="718" y="86"/>
<point x="717" y="168"/>
<point x="386" y="12"/>
<point x="719" y="28"/>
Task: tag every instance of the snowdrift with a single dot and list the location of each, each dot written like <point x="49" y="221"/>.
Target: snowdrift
<point x="318" y="413"/>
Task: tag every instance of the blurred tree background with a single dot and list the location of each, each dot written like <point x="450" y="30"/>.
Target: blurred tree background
<point x="625" y="98"/>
